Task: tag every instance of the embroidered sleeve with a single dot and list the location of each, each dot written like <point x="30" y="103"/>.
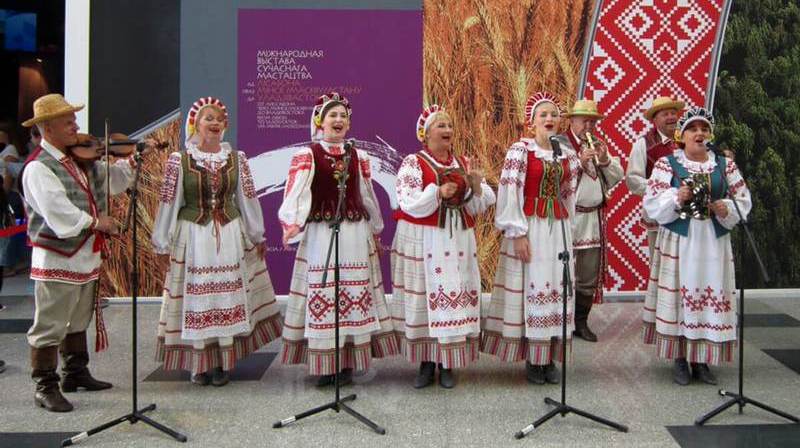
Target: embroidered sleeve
<point x="247" y="184"/>
<point x="661" y="198"/>
<point x="738" y="190"/>
<point x="637" y="165"/>
<point x="368" y="196"/>
<point x="411" y="197"/>
<point x="509" y="217"/>
<point x="296" y="203"/>
<point x="169" y="185"/>
<point x="171" y="201"/>
<point x="366" y="170"/>
<point x="248" y="203"/>
<point x="569" y="183"/>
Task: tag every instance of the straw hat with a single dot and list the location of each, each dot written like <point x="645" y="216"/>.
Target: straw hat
<point x="584" y="108"/>
<point x="661" y="103"/>
<point x="49" y="107"/>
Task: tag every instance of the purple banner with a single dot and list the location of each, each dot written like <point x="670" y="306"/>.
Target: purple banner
<point x="287" y="58"/>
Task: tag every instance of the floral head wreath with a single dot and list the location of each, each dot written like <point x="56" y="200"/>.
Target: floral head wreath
<point x="692" y="115"/>
<point x="535" y="100"/>
<point x="426" y="119"/>
<point x="194" y="112"/>
<point x="321" y="107"/>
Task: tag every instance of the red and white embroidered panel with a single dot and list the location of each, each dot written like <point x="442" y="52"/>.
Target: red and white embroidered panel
<point x="643" y="49"/>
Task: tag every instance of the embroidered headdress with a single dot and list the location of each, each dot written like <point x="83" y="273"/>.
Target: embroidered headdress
<point x="194" y="112"/>
<point x="426" y="119"/>
<point x="535" y="100"/>
<point x="321" y="107"/>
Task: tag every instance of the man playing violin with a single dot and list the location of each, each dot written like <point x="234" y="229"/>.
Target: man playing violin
<point x="599" y="173"/>
<point x="67" y="219"/>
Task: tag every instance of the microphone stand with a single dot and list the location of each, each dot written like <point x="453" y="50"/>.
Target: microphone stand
<point x="739" y="398"/>
<point x="136" y="415"/>
<point x="561" y="407"/>
<point x="338" y="403"/>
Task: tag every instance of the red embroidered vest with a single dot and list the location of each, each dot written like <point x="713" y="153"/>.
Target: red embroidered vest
<point x="656" y="149"/>
<point x="432" y="174"/>
<point x="324" y="187"/>
<point x="541" y="181"/>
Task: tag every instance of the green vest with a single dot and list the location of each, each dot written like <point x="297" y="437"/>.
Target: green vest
<point x="38" y="231"/>
<point x="719" y="188"/>
<point x="202" y="203"/>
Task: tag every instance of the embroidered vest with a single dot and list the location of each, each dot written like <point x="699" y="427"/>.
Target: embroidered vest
<point x="90" y="198"/>
<point x="719" y="190"/>
<point x="324" y="187"/>
<point x="656" y="149"/>
<point x="432" y="174"/>
<point x="209" y="195"/>
<point x="542" y="180"/>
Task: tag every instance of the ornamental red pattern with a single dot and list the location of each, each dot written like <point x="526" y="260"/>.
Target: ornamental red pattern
<point x="544" y="296"/>
<point x="454" y="323"/>
<point x="705" y="298"/>
<point x="63" y="274"/>
<point x="248" y="186"/>
<point x="366" y="170"/>
<point x="301" y="161"/>
<point x="320" y="305"/>
<point x="220" y="317"/>
<point x="642" y="50"/>
<point x="551" y="320"/>
<point x="452" y="300"/>
<point x="208" y="288"/>
<point x="170" y="184"/>
<point x="212" y="269"/>
<point x="706" y="326"/>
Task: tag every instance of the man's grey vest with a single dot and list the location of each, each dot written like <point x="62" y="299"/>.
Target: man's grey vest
<point x="43" y="236"/>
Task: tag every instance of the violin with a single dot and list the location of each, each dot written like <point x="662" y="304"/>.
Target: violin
<point x="90" y="149"/>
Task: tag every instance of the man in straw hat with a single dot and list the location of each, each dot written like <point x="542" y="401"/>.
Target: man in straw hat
<point x="656" y="143"/>
<point x="65" y="204"/>
<point x="600" y="172"/>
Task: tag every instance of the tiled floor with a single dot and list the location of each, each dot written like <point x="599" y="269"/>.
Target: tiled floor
<point x="617" y="378"/>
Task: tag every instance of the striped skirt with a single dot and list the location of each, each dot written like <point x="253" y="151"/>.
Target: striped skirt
<point x="199" y="356"/>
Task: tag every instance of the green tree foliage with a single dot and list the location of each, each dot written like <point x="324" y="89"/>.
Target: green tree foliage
<point x="758" y="115"/>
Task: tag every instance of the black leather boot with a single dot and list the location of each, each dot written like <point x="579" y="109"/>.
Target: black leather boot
<point x="75" y="374"/>
<point x="446" y="378"/>
<point x="534" y="374"/>
<point x="44" y="362"/>
<point x="701" y="372"/>
<point x="425" y="376"/>
<point x="681" y="373"/>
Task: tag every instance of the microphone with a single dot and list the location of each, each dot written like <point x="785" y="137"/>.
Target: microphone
<point x="714" y="147"/>
<point x="349" y="144"/>
<point x="556" y="146"/>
